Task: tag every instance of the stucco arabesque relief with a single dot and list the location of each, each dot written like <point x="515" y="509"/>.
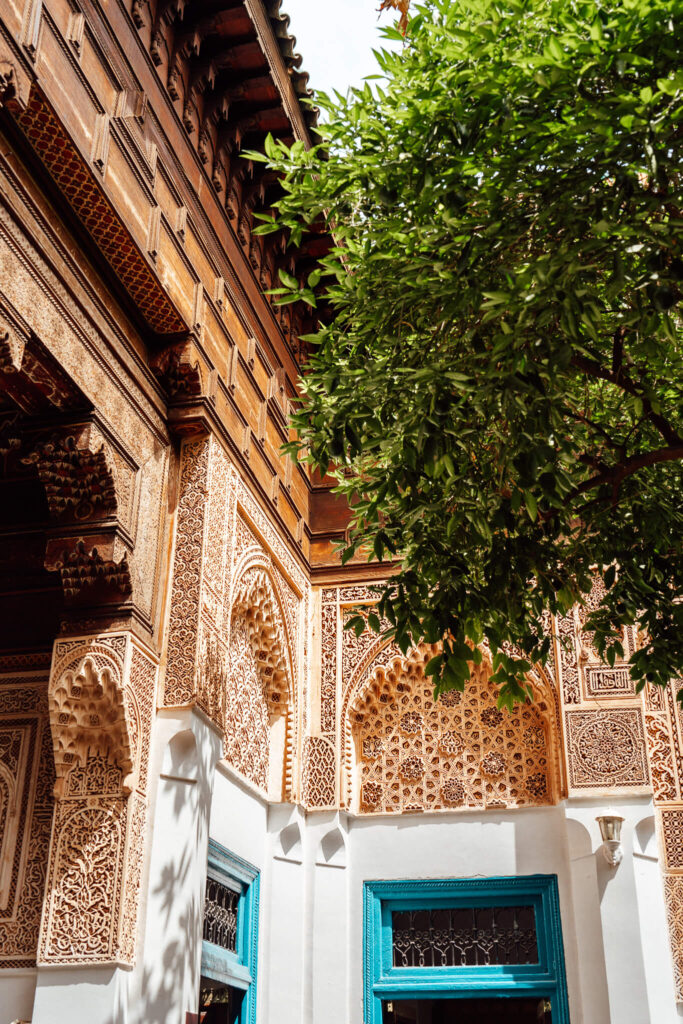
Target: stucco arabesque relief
<point x="26" y="804"/>
<point x="239" y="609"/>
<point x="101" y="700"/>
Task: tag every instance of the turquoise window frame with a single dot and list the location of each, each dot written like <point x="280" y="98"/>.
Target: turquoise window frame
<point x="383" y="982"/>
<point x="238" y="969"/>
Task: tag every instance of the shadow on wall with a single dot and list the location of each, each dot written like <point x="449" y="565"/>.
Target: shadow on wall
<point x="332" y="850"/>
<point x="169" y="981"/>
<point x="289" y="843"/>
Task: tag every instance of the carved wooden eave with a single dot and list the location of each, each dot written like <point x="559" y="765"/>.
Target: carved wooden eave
<point x="30" y="110"/>
<point x="230" y="68"/>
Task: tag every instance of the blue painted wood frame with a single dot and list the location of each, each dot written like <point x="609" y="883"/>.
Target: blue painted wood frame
<point x="382" y="981"/>
<point x="239" y="968"/>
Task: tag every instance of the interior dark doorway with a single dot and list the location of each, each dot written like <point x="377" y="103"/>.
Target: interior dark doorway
<point x="467" y="1011"/>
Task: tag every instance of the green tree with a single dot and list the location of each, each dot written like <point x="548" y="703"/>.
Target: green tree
<point x="500" y="390"/>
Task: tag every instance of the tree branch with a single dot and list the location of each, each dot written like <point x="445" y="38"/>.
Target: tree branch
<point x="616" y="474"/>
<point x="620" y="380"/>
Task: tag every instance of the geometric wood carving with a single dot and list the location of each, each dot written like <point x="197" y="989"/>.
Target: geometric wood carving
<point x="68" y="169"/>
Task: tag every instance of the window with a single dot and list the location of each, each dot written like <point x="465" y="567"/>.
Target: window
<point x="495" y="945"/>
<point x="229" y="940"/>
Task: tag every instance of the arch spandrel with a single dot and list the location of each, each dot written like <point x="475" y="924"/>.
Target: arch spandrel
<point x="404" y="752"/>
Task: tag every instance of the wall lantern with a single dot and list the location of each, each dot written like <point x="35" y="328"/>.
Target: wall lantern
<point x="610" y="830"/>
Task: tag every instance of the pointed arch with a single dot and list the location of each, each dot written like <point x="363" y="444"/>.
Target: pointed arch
<point x="260" y="688"/>
<point x="403" y="752"/>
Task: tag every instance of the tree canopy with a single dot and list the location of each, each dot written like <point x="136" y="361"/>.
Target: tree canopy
<point x="499" y="392"/>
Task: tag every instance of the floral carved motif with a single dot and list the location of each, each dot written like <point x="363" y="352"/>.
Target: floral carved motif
<point x="568" y="659"/>
<point x="185" y="595"/>
<point x="328" y="680"/>
<point x="415" y="754"/>
<point x="673" y="896"/>
<point x="101" y="699"/>
<point x="660" y="756"/>
<point x="247" y="719"/>
<point x="606" y="748"/>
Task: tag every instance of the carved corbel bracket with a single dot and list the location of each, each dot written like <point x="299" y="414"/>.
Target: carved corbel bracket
<point x="29" y="375"/>
<point x="16" y="76"/>
<point x="189" y="380"/>
<point x="78" y="474"/>
<point x="178" y="369"/>
<point x="98" y="574"/>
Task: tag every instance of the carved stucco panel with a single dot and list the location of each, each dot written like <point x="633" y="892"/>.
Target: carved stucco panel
<point x="102" y="697"/>
<point x="260" y="684"/>
<point x="673" y="896"/>
<point x="319" y="774"/>
<point x="606" y="748"/>
<point x="186" y="588"/>
<point x="84" y="891"/>
<point x="414" y="754"/>
<point x="26" y="783"/>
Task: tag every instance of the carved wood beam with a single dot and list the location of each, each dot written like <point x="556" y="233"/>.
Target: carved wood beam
<point x="71" y="174"/>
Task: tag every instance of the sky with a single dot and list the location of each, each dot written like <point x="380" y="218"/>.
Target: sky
<point x="336" y="39"/>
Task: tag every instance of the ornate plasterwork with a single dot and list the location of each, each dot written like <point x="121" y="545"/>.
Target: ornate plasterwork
<point x="26" y="782"/>
<point x="673" y="897"/>
<point x="414" y="754"/>
<point x="328" y="669"/>
<point x="185" y="594"/>
<point x="318" y="783"/>
<point x="101" y="700"/>
<point x="665" y="787"/>
<point x="88" y="719"/>
<point x="606" y="749"/>
<point x="259" y="682"/>
<point x="256" y="604"/>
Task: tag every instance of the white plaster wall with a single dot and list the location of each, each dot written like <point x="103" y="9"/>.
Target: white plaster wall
<point x="82" y="995"/>
<point x="460" y="845"/>
<point x="313" y="866"/>
<point x="166" y="981"/>
<point x="239" y="817"/>
<point x="632" y="938"/>
<point x="17" y="991"/>
<point x="283" y="965"/>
